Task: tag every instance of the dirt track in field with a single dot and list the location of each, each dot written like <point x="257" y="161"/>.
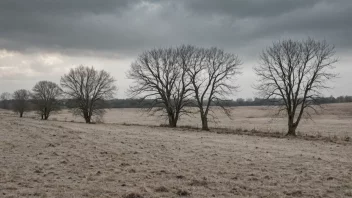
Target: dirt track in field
<point x="64" y="159"/>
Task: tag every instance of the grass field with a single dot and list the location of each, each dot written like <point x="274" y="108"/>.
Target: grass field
<point x="333" y="120"/>
<point x="72" y="159"/>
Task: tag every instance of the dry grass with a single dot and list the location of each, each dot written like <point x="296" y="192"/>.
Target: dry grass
<point x="64" y="159"/>
<point x="334" y="120"/>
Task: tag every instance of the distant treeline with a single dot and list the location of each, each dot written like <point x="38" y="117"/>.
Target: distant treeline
<point x="136" y="103"/>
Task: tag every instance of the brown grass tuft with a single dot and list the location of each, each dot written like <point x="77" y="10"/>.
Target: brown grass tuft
<point x="161" y="189"/>
<point x="133" y="195"/>
<point x="181" y="192"/>
<point x="198" y="183"/>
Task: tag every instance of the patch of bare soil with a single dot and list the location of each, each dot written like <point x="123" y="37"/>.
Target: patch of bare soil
<point x="64" y="159"/>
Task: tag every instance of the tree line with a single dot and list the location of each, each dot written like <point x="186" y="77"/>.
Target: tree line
<point x="7" y="102"/>
<point x="291" y="74"/>
<point x="136" y="103"/>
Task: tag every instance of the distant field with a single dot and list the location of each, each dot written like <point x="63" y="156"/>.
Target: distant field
<point x="334" y="119"/>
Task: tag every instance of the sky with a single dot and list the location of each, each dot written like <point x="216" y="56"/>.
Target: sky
<point x="43" y="39"/>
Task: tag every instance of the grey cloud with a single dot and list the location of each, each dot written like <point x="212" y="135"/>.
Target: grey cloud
<point x="248" y="8"/>
<point x="65" y="7"/>
<point x="130" y="26"/>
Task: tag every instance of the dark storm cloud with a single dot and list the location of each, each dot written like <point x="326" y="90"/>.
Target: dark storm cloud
<point x="53" y="24"/>
<point x="248" y="8"/>
<point x="128" y="26"/>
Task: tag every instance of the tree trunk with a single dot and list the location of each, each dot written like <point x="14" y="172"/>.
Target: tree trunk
<point x="172" y="118"/>
<point x="21" y="114"/>
<point x="87" y="119"/>
<point x="45" y="114"/>
<point x="172" y="121"/>
<point x="205" y="123"/>
<point x="291" y="127"/>
<point x="86" y="116"/>
<point x="291" y="131"/>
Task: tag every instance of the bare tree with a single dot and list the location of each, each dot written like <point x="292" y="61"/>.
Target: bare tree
<point x="212" y="73"/>
<point x="5" y="100"/>
<point x="295" y="72"/>
<point x="160" y="74"/>
<point x="88" y="88"/>
<point x="21" y="103"/>
<point x="45" y="95"/>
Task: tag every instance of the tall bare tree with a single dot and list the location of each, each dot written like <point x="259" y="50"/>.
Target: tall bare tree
<point x="5" y="100"/>
<point x="295" y="72"/>
<point x="88" y="88"/>
<point x="45" y="95"/>
<point x="21" y="103"/>
<point x="212" y="73"/>
<point x="160" y="74"/>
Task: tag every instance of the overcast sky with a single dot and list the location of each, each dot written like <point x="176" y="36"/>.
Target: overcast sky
<point x="43" y="39"/>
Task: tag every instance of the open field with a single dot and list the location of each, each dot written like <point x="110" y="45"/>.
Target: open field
<point x="66" y="159"/>
<point x="335" y="119"/>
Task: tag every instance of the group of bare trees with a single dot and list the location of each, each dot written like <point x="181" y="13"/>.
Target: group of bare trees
<point x="176" y="77"/>
<point x="85" y="87"/>
<point x="43" y="99"/>
<point x="292" y="73"/>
